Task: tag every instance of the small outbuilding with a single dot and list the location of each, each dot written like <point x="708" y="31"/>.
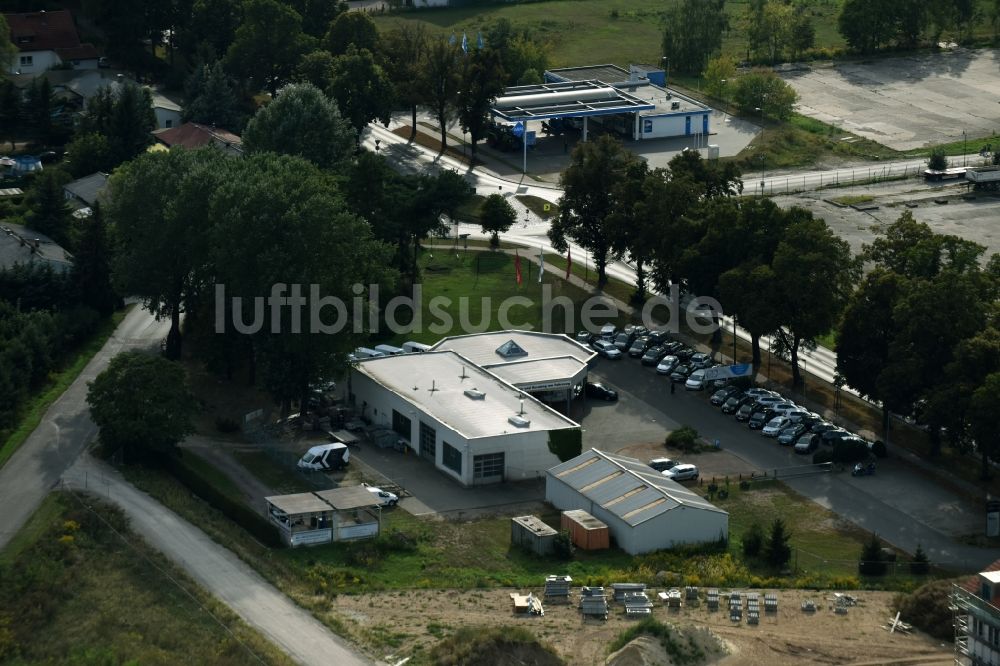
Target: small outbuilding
<point x="644" y="510"/>
<point x="585" y="531"/>
<point x="531" y="533"/>
<point x="356" y="512"/>
<point x="302" y="518"/>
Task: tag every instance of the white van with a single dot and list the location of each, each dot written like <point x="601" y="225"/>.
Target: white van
<point x="389" y="350"/>
<point x="415" y="347"/>
<point x="325" y="457"/>
<point x="363" y="352"/>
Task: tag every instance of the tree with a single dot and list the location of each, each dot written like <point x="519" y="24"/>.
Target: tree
<point x="866" y="25"/>
<point x="596" y="167"/>
<point x="351" y="29"/>
<point x="47" y="211"/>
<point x="361" y="89"/>
<point x="920" y="564"/>
<point x="938" y="160"/>
<point x="267" y="45"/>
<point x="157" y="206"/>
<point x="441" y="82"/>
<point x="777" y="551"/>
<point x="753" y="540"/>
<point x="764" y="90"/>
<point x="815" y="274"/>
<point x="739" y="290"/>
<point x="87" y="154"/>
<point x="142" y="405"/>
<point x="10" y="111"/>
<point x="719" y="73"/>
<point x="872" y="562"/>
<point x="317" y="15"/>
<point x="801" y="33"/>
<point x="694" y="32"/>
<point x="211" y="28"/>
<point x="482" y="81"/>
<point x="37" y="108"/>
<point x="316" y="68"/>
<point x="280" y="220"/>
<point x="211" y="99"/>
<point x="522" y="57"/>
<point x="631" y="226"/>
<point x="124" y="116"/>
<point x="301" y="121"/>
<point x="92" y="265"/>
<point x="7" y="48"/>
<point x="404" y="48"/>
<point x="496" y="216"/>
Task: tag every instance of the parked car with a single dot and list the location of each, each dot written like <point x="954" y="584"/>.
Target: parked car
<point x="639" y="347"/>
<point x="600" y="391"/>
<point x="696" y="381"/>
<point x="785" y="407"/>
<point x="606" y="349"/>
<point x="775" y="426"/>
<point x="701" y="360"/>
<point x="653" y="355"/>
<point x="684" y="353"/>
<point x="797" y="415"/>
<point x="323" y="457"/>
<point x="584" y="337"/>
<point x="720" y="396"/>
<point x="658" y="337"/>
<point x="829" y="437"/>
<point x="744" y="411"/>
<point x="682" y="472"/>
<point x="734" y="403"/>
<point x="608" y="331"/>
<point x="681" y="373"/>
<point x="385" y="498"/>
<point x="667" y="365"/>
<point x="768" y="400"/>
<point x="757" y="392"/>
<point x="663" y="464"/>
<point x="806" y="443"/>
<point x="790" y="434"/>
<point x="821" y="427"/>
<point x="623" y="341"/>
<point x="760" y="419"/>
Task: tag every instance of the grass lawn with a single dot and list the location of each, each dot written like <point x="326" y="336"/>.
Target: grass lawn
<point x="211" y="474"/>
<point x="539" y="206"/>
<point x="471" y="285"/>
<point x="59" y="381"/>
<point x="270" y="473"/>
<point x="72" y="591"/>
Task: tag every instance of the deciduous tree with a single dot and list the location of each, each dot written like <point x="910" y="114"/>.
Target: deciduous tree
<point x="92" y="265"/>
<point x="404" y="48"/>
<point x="361" y="89"/>
<point x="267" y="45"/>
<point x="496" y="216"/>
<point x="351" y="28"/>
<point x="441" y="80"/>
<point x="694" y="33"/>
<point x="211" y="99"/>
<point x="482" y="81"/>
<point x="47" y="211"/>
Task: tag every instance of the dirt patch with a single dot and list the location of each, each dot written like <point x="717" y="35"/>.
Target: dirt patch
<point x="710" y="464"/>
<point x="399" y="622"/>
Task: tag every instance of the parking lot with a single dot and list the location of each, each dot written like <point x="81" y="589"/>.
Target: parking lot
<point x="906" y="102"/>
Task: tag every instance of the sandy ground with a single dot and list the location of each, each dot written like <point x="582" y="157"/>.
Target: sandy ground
<point x="789" y="637"/>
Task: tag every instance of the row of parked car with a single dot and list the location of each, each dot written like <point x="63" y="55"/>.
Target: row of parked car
<point x="780" y="418"/>
<point x="674" y="359"/>
<point x="675" y="469"/>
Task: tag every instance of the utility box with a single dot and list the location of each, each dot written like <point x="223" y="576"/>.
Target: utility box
<point x="713" y="151"/>
<point x="531" y="533"/>
<point x="585" y="531"/>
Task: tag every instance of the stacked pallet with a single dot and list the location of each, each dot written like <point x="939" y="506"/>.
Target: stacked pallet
<point x="770" y="602"/>
<point x="621" y="589"/>
<point x="691" y="593"/>
<point x="593" y="602"/>
<point x="753" y="608"/>
<point x="809" y="606"/>
<point x="735" y="607"/>
<point x="673" y="598"/>
<point x="637" y="603"/>
<point x="557" y="588"/>
<point x="712" y="599"/>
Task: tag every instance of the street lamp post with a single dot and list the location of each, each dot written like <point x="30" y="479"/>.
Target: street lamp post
<point x="378" y="146"/>
<point x="725" y="115"/>
<point x="734" y="339"/>
<point x="666" y="76"/>
<point x="964" y="156"/>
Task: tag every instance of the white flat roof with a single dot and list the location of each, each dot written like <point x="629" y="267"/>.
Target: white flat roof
<point x="481" y="348"/>
<point x="528" y="373"/>
<point x="435" y="382"/>
<point x="992" y="576"/>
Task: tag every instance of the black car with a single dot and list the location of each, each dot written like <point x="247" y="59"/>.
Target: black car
<point x="623" y="341"/>
<point x="673" y="346"/>
<point x="584" y="337"/>
<point x="744" y="411"/>
<point x="684" y="353"/>
<point x="789" y="435"/>
<point x="653" y="355"/>
<point x="734" y="402"/>
<point x="658" y="337"/>
<point x="830" y="437"/>
<point x="759" y="419"/>
<point x="723" y="394"/>
<point x="821" y="427"/>
<point x="681" y="373"/>
<point x="600" y="391"/>
<point x="639" y="347"/>
<point x="806" y="443"/>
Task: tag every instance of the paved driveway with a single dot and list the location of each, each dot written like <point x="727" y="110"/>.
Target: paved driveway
<point x="900" y="505"/>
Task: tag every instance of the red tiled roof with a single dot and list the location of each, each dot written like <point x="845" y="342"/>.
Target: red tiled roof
<point x="195" y="135"/>
<point x="972" y="583"/>
<point x="45" y="31"/>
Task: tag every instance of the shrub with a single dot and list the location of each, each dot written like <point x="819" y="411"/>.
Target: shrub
<point x="492" y="646"/>
<point x="778" y="551"/>
<point x="878" y="448"/>
<point x="872" y="562"/>
<point x="822" y="456"/>
<point x="938" y="160"/>
<point x="744" y="485"/>
<point x="562" y="546"/>
<point x="753" y="540"/>
<point x="927" y="609"/>
<point x="684" y="439"/>
<point x="764" y="87"/>
<point x="849" y="451"/>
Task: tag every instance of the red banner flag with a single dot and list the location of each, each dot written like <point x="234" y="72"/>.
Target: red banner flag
<point x="569" y="262"/>
<point x="517" y="267"/>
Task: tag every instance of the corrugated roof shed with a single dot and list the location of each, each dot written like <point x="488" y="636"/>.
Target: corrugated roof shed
<point x="88" y="188"/>
<point x="351" y="497"/>
<point x="626" y="487"/>
<point x="298" y="503"/>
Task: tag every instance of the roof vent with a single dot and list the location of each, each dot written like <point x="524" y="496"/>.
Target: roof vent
<point x="519" y="421"/>
<point x="475" y="394"/>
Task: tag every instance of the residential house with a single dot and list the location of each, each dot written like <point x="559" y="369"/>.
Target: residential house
<point x="976" y="605"/>
<point x="47" y="39"/>
<point x="84" y="192"/>
<point x="196" y="135"/>
<point x="20" y="245"/>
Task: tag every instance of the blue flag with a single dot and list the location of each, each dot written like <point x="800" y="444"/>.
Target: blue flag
<point x="465" y="43"/>
<point x="479" y="41"/>
<point x="451" y="40"/>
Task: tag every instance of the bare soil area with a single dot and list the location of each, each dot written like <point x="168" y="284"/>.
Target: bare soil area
<point x="710" y="463"/>
<point x="397" y="622"/>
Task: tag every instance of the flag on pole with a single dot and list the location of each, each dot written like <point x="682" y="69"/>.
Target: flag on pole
<point x="465" y="43"/>
<point x="479" y="41"/>
<point x="541" y="263"/>
<point x="517" y="267"/>
<point x="569" y="262"/>
<point x="451" y="40"/>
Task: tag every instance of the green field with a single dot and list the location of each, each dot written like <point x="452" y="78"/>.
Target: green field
<point x="72" y="591"/>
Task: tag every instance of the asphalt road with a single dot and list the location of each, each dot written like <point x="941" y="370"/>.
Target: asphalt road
<point x="219" y="571"/>
<point x="903" y="507"/>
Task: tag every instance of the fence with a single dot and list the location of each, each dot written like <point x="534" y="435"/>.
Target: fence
<point x="817" y="181"/>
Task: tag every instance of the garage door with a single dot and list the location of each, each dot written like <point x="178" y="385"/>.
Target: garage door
<point x="428" y="437"/>
<point x="488" y="468"/>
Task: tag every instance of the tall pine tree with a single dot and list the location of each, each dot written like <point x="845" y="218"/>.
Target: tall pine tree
<point x="92" y="265"/>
